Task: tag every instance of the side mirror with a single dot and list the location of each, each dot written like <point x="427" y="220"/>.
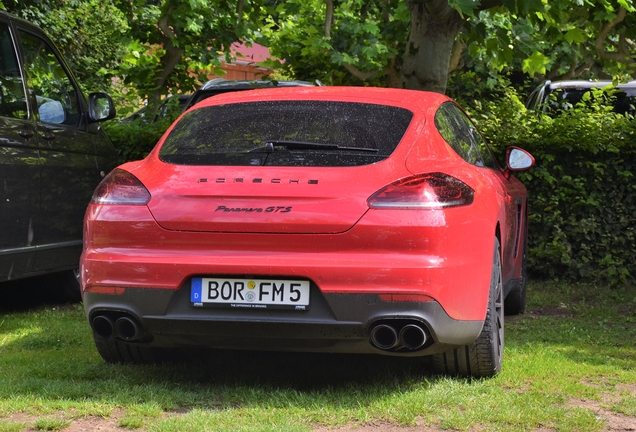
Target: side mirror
<point x="517" y="159"/>
<point x="100" y="107"/>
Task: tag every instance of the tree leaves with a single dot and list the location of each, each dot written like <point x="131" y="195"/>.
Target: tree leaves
<point x="536" y="63"/>
<point x="364" y="34"/>
<point x="465" y="7"/>
<point x="545" y="38"/>
<point x="88" y="41"/>
<point x="183" y="40"/>
<point x="575" y="35"/>
<point x="527" y="7"/>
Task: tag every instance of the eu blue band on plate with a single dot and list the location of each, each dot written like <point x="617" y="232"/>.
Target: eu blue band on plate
<point x="195" y="293"/>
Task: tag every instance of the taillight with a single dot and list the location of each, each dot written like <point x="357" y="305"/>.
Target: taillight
<point x="424" y="191"/>
<point x="121" y="187"/>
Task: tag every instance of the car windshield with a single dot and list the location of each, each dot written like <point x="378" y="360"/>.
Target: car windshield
<point x="286" y="133"/>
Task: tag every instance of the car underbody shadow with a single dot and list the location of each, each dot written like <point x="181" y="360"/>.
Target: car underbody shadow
<point x="25" y="294"/>
<point x="303" y="371"/>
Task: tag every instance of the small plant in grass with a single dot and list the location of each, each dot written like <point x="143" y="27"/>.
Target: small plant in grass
<point x="131" y="422"/>
<point x="12" y="427"/>
<point x="51" y="424"/>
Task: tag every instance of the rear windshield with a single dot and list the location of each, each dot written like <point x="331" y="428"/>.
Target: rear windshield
<point x="286" y="133"/>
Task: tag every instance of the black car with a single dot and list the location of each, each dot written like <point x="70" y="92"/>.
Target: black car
<point x="53" y="154"/>
<point x="553" y="96"/>
<point x="218" y="86"/>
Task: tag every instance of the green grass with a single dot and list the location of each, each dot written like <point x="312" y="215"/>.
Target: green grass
<point x="569" y="365"/>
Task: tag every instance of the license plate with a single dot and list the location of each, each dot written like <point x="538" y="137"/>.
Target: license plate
<point x="250" y="293"/>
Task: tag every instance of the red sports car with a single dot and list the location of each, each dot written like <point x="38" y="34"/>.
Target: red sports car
<point x="333" y="219"/>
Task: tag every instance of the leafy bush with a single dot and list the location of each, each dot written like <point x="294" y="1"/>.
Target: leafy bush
<point x="134" y="140"/>
<point x="582" y="210"/>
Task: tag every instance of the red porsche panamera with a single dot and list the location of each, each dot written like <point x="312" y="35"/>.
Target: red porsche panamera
<point x="332" y="219"/>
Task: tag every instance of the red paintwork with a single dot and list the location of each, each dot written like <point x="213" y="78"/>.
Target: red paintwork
<point x="331" y="237"/>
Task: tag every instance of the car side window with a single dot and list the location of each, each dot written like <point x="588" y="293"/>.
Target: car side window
<point x="56" y="97"/>
<point x="12" y="98"/>
<point x="460" y="133"/>
<point x="478" y="141"/>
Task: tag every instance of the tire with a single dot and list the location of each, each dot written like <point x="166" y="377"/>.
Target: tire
<point x="515" y="303"/>
<point x="482" y="358"/>
<point x="114" y="351"/>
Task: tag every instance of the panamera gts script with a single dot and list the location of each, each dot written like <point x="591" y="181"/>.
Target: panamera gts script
<point x="270" y="209"/>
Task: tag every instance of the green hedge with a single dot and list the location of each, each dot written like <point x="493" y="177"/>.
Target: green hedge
<point x="134" y="140"/>
<point x="582" y="210"/>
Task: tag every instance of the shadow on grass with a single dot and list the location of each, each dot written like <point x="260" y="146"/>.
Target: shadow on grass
<point x="300" y="371"/>
<point x="306" y="371"/>
<point x="218" y="380"/>
<point x="50" y="354"/>
<point x="27" y="294"/>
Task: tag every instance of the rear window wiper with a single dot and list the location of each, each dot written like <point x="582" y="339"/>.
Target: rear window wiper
<point x="302" y="145"/>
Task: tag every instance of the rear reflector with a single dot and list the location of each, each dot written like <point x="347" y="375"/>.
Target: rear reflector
<point x="121" y="187"/>
<point x="106" y="290"/>
<point x="424" y="191"/>
<point x="405" y="298"/>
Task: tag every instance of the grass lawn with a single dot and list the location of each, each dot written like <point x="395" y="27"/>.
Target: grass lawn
<point x="569" y="365"/>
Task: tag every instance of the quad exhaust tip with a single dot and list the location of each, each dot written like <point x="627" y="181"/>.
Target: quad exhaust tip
<point x="384" y="337"/>
<point x="104" y="326"/>
<point x="395" y="336"/>
<point x="413" y="336"/>
<point x="127" y="328"/>
<point x="123" y="327"/>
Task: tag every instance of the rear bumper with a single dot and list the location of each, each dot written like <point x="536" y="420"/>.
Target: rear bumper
<point x="339" y="323"/>
<point x="446" y="255"/>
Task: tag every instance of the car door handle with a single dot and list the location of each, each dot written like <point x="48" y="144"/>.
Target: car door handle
<point x="26" y="133"/>
<point x="48" y="136"/>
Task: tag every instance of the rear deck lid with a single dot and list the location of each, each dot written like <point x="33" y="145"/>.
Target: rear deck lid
<point x="260" y="201"/>
<point x="276" y="167"/>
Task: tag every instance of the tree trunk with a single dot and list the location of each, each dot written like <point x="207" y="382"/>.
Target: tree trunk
<point x="433" y="29"/>
<point x="169" y="61"/>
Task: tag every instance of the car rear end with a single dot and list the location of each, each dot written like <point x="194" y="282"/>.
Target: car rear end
<point x="289" y="221"/>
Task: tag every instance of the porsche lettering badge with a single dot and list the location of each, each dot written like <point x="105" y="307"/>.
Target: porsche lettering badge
<point x="258" y="180"/>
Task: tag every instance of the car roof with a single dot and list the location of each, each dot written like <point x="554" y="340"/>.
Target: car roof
<point x="587" y="84"/>
<point x="218" y="86"/>
<point x="222" y="83"/>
